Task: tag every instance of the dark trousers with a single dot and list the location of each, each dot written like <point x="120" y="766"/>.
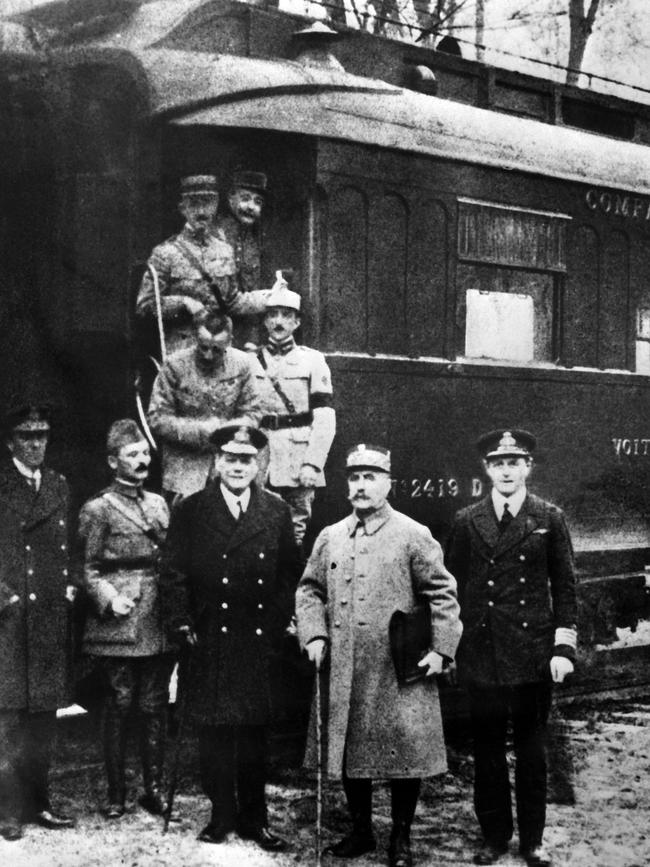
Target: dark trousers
<point x="527" y="706"/>
<point x="25" y="754"/>
<point x="233" y="774"/>
<point x="404" y="795"/>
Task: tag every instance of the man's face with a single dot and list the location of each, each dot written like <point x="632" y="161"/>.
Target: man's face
<point x="508" y="475"/>
<point x="236" y="471"/>
<point x="281" y="322"/>
<point x="368" y="490"/>
<point x="246" y="205"/>
<point x="210" y="347"/>
<point x="131" y="463"/>
<point x="199" y="210"/>
<point x="29" y="447"/>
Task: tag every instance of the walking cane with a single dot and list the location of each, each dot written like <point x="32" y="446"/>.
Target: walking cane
<point x="319" y="770"/>
<point x="159" y="315"/>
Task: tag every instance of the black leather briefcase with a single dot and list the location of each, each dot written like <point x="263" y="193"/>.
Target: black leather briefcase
<point x="409" y="633"/>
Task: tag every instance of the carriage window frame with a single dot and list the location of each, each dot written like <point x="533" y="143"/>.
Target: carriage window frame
<point x="506" y="240"/>
<point x="642" y="341"/>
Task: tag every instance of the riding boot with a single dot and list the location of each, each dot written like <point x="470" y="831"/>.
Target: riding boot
<point x="152" y="752"/>
<point x="404" y="798"/>
<point x="114" y="757"/>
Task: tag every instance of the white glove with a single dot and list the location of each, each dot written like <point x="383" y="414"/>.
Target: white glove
<point x="434" y="663"/>
<point x="122" y="605"/>
<point x="560" y="667"/>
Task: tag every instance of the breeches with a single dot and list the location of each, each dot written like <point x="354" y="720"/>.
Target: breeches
<point x="527" y="706"/>
<point x="143" y="681"/>
<point x="25" y="753"/>
<point x="300" y="501"/>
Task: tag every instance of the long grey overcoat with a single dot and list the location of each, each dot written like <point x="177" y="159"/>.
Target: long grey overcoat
<point x="355" y="579"/>
<point x="34" y="611"/>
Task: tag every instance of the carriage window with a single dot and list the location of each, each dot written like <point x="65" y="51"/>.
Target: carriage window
<point x="510" y="265"/>
<point x="643" y="340"/>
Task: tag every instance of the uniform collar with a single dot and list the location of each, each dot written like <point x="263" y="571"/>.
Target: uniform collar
<point x="190" y="234"/>
<point x="282" y="348"/>
<point x="515" y="502"/>
<point x="370" y="524"/>
<point x="26" y="471"/>
<point x="133" y="492"/>
<point x="232" y="500"/>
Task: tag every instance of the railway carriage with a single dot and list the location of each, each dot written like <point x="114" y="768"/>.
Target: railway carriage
<point x="462" y="267"/>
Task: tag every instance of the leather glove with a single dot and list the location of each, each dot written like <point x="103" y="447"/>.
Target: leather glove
<point x="316" y="651"/>
<point x="308" y="476"/>
<point x="187" y="635"/>
<point x="560" y="667"/>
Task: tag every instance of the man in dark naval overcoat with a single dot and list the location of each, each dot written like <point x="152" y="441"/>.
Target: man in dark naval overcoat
<point x="232" y="566"/>
<point x="35" y="599"/>
<point x="122" y="531"/>
<point x="363" y="569"/>
<point x="512" y="557"/>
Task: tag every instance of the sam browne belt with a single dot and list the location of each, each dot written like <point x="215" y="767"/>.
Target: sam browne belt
<point x="278" y="422"/>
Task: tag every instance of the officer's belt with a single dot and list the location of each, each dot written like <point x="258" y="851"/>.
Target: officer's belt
<point x="277" y="422"/>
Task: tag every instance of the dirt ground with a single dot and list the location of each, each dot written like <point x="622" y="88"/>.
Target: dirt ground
<point x="607" y="826"/>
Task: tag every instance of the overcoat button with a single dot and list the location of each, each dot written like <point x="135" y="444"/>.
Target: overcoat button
<point x="65" y="571"/>
<point x="522" y="601"/>
<point x="344" y="601"/>
<point x="490" y="603"/>
<point x="32" y="597"/>
<point x="30" y="571"/>
<point x="525" y="625"/>
<point x="260" y="581"/>
<point x="258" y="632"/>
<point x="63" y="547"/>
<point x="260" y="606"/>
<point x="337" y="623"/>
<point x="224" y="629"/>
<point x="224" y="604"/>
<point x="490" y="583"/>
<point x="522" y="580"/>
<point x="491" y="562"/>
<point x="28" y="547"/>
<point x="522" y="557"/>
<point x="349" y="578"/>
<point x="224" y="580"/>
<point x="225" y="556"/>
<point x="61" y="523"/>
<point x="261" y="555"/>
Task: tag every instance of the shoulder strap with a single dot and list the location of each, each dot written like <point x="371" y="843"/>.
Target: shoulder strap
<point x="286" y="400"/>
<point x="195" y="262"/>
<point x="134" y="517"/>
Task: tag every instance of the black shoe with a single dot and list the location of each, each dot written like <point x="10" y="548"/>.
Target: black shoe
<point x="537" y="857"/>
<point x="153" y="802"/>
<point x="114" y="811"/>
<point x="490" y="852"/>
<point x="11" y="829"/>
<point x="355" y="844"/>
<point x="264" y="839"/>
<point x="48" y="819"/>
<point x="214" y="833"/>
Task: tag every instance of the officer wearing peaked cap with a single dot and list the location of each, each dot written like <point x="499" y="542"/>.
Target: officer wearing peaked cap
<point x="512" y="557"/>
<point x="230" y="573"/>
<point x="241" y="228"/>
<point x="361" y="570"/>
<point x="122" y="530"/>
<point x="195" y="269"/>
<point x="35" y="600"/>
<point x="295" y="388"/>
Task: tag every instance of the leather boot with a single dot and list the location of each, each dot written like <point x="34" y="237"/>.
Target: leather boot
<point x="152" y="751"/>
<point x="404" y="798"/>
<point x="114" y="757"/>
<point x="361" y="840"/>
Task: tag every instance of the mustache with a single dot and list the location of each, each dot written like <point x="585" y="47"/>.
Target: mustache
<point x="141" y="467"/>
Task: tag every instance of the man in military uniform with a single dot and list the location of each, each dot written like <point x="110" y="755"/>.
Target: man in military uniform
<point x="295" y="389"/>
<point x="195" y="269"/>
<point x="35" y="601"/>
<point x="363" y="569"/>
<point x="231" y="570"/>
<point x="122" y="530"/>
<point x="512" y="557"/>
<point x="241" y="229"/>
<point x="196" y="391"/>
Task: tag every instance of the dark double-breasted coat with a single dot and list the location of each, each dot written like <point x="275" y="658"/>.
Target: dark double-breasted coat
<point x="34" y="611"/>
<point x="233" y="583"/>
<point x="515" y="589"/>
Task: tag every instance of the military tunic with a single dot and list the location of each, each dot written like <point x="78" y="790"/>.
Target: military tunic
<point x="246" y="248"/>
<point x="182" y="263"/>
<point x="304" y="377"/>
<point x="356" y="577"/>
<point x="122" y="531"/>
<point x="188" y="403"/>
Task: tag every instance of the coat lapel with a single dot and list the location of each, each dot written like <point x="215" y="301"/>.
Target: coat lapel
<point x="30" y="506"/>
<point x="485" y="523"/>
<point x="252" y="522"/>
<point x="522" y="525"/>
<point x="216" y="513"/>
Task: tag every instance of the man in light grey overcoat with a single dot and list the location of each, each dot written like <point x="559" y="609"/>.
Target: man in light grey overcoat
<point x="362" y="569"/>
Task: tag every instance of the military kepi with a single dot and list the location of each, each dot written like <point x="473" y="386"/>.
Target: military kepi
<point x="199" y="185"/>
<point x="510" y="443"/>
<point x="256" y="181"/>
<point x="28" y="418"/>
<point x="239" y="439"/>
<point x="368" y="457"/>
